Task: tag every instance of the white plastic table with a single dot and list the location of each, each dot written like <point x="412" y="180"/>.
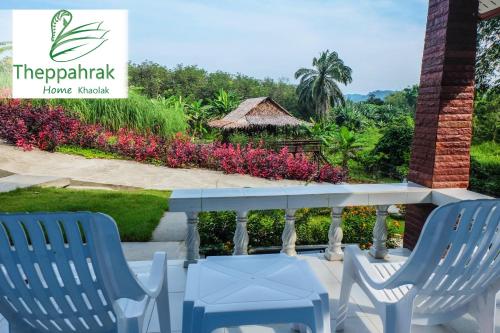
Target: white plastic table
<point x="250" y="290"/>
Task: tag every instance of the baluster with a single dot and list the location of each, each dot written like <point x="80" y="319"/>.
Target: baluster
<point x="192" y="239"/>
<point x="379" y="247"/>
<point x="334" y="251"/>
<point x="289" y="235"/>
<point x="240" y="238"/>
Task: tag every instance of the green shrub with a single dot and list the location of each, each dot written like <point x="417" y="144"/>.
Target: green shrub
<point x="216" y="232"/>
<point x="268" y="139"/>
<point x="266" y="227"/>
<point x="239" y="138"/>
<point x="485" y="168"/>
<point x="164" y="117"/>
<point x="391" y="155"/>
<point x="358" y="224"/>
<point x="487" y="116"/>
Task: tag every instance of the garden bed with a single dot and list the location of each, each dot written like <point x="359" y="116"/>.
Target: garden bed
<point x="50" y="128"/>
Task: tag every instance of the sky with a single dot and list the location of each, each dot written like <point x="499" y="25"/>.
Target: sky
<point x="381" y="40"/>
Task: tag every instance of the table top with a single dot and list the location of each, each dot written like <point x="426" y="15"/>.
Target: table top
<point x="251" y="279"/>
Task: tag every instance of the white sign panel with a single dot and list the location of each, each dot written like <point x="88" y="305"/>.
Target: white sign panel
<point x="70" y="54"/>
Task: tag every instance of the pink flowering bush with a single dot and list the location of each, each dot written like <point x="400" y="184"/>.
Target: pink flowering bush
<point x="26" y="126"/>
<point x="46" y="128"/>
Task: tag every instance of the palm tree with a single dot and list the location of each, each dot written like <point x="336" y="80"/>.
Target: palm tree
<point x="318" y="87"/>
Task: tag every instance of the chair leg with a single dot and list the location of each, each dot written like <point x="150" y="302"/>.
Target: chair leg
<point x="483" y="309"/>
<point x="397" y="316"/>
<point x="163" y="308"/>
<point x="322" y="316"/>
<point x="345" y="293"/>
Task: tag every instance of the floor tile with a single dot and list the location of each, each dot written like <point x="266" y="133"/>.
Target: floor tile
<point x="177" y="278"/>
<point x="175" y="314"/>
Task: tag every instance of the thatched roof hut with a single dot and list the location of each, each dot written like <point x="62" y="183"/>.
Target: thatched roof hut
<point x="257" y="112"/>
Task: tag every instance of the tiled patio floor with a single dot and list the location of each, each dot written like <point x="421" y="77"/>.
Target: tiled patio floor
<point x="362" y="317"/>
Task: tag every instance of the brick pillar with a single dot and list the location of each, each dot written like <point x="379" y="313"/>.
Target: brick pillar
<point x="440" y="154"/>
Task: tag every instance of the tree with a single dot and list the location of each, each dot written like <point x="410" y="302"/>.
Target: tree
<point x="404" y="99"/>
<point x="194" y="83"/>
<point x="318" y="88"/>
<point x="391" y="155"/>
<point x="373" y="99"/>
<point x="149" y="76"/>
<point x="349" y="115"/>
<point x="486" y="121"/>
<point x="488" y="54"/>
<point x="187" y="81"/>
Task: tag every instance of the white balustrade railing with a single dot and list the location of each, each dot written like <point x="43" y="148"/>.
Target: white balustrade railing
<point x="242" y="200"/>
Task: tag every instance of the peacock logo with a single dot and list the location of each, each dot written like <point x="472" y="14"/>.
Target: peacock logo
<point x="73" y="43"/>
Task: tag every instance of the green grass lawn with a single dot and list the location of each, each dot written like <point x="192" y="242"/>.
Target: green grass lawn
<point x="136" y="212"/>
<point x="88" y="152"/>
<point x="367" y="140"/>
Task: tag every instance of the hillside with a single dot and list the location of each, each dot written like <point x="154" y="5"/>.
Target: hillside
<point x="361" y="98"/>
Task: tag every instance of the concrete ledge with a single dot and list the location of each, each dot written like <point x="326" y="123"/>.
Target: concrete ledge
<point x="448" y="195"/>
<point x="13" y="182"/>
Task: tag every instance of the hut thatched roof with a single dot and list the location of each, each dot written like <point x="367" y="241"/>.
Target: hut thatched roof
<point x="257" y="112"/>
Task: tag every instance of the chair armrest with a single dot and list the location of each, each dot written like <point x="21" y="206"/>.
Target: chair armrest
<point x="366" y="270"/>
<point x="157" y="275"/>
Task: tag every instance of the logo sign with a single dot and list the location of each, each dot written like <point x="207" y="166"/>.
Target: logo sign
<point x="70" y="54"/>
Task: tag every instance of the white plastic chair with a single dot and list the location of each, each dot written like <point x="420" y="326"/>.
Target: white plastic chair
<point x="66" y="272"/>
<point x="453" y="270"/>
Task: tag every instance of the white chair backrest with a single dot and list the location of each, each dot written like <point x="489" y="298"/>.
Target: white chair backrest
<point x="62" y="272"/>
<point x="456" y="257"/>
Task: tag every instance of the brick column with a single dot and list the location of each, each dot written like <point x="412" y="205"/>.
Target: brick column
<point x="440" y="154"/>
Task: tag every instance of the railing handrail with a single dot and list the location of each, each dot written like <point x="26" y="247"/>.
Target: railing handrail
<point x="294" y="197"/>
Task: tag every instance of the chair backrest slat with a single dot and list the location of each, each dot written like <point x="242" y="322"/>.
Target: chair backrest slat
<point x="69" y="297"/>
<point x="469" y="244"/>
<point x="456" y="256"/>
<point x="46" y="260"/>
<point x="82" y="265"/>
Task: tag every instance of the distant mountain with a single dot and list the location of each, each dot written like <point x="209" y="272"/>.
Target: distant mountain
<point x="361" y="98"/>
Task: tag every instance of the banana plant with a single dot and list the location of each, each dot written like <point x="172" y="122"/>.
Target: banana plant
<point x="197" y="116"/>
<point x="224" y="103"/>
<point x="345" y="144"/>
<point x="323" y="131"/>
